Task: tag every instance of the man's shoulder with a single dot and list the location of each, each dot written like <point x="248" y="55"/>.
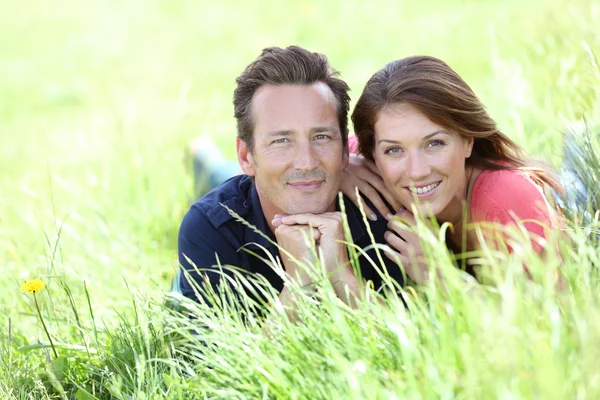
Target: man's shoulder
<point x="234" y="194"/>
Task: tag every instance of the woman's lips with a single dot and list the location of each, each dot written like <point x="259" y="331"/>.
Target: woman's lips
<point x="424" y="190"/>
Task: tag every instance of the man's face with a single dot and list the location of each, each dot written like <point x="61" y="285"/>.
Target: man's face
<point x="298" y="155"/>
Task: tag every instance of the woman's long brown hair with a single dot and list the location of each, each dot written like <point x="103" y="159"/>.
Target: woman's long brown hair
<point x="438" y="92"/>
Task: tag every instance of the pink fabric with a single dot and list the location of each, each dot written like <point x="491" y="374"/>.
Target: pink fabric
<point x="507" y="196"/>
<point x="353" y="144"/>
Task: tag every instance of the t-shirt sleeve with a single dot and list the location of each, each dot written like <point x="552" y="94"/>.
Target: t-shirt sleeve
<point x="353" y="144"/>
<point x="509" y="197"/>
<point x="201" y="249"/>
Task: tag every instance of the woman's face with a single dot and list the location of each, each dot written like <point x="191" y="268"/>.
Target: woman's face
<point x="422" y="160"/>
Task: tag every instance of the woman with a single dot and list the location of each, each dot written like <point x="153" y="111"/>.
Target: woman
<point x="434" y="146"/>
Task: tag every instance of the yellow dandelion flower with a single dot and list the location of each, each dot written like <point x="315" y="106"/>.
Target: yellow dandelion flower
<point x="33" y="286"/>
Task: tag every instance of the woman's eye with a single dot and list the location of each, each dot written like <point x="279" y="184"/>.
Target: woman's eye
<point x="392" y="150"/>
<point x="321" y="137"/>
<point x="436" y="143"/>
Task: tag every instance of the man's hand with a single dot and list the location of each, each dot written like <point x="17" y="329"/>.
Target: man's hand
<point x="331" y="248"/>
<point x="329" y="235"/>
<point x="298" y="241"/>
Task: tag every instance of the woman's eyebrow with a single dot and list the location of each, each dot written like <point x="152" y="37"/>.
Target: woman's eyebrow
<point x="437" y="132"/>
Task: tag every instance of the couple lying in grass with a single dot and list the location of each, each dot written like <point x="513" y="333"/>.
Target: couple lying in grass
<point x="424" y="144"/>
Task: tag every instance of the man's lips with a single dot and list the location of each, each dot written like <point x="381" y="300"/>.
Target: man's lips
<point x="306" y="185"/>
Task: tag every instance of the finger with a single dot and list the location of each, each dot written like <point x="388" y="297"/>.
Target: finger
<point x="286" y="219"/>
<point x="373" y="179"/>
<point x="378" y="184"/>
<point x="396" y="242"/>
<point x="314" y="220"/>
<point x="350" y="182"/>
<point x="375" y="198"/>
<point x="415" y="274"/>
<point x="276" y="220"/>
<point x="399" y="226"/>
<point x="312" y="234"/>
<point x="407" y="216"/>
<point x="365" y="179"/>
<point x="371" y="166"/>
<point x="297" y="232"/>
<point x="294" y="219"/>
<point x="405" y="233"/>
<point x="336" y="215"/>
<point x="307" y="232"/>
<point x="354" y="197"/>
<point x="395" y="256"/>
<point x="402" y="220"/>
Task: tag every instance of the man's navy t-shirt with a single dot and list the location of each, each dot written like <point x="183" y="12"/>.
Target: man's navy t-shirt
<point x="209" y="235"/>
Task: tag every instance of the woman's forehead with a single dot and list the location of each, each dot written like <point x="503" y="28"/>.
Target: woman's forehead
<point x="404" y="120"/>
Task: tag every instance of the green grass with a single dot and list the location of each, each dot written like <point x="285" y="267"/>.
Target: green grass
<point x="97" y="102"/>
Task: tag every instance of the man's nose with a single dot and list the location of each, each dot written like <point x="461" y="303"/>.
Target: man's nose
<point x="305" y="156"/>
<point x="417" y="168"/>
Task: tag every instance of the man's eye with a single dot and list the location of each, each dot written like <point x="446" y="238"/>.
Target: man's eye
<point x="280" y="140"/>
<point x="392" y="150"/>
<point x="436" y="143"/>
<point x="321" y="137"/>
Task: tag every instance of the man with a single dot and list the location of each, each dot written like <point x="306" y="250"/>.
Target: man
<point x="291" y="111"/>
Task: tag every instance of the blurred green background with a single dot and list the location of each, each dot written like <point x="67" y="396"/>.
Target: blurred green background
<point x="99" y="98"/>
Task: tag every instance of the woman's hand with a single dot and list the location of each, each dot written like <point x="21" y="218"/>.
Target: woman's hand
<point x="364" y="175"/>
<point x="405" y="247"/>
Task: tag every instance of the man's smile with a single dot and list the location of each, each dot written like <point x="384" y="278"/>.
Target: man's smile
<point x="306" y="185"/>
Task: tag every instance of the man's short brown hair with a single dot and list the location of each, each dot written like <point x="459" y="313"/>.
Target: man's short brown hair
<point x="290" y="66"/>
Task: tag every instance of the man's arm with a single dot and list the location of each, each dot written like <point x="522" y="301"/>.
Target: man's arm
<point x="296" y="243"/>
<point x="202" y="244"/>
<point x="201" y="248"/>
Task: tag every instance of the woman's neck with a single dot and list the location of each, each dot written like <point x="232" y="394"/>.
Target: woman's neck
<point x="458" y="211"/>
<point x="454" y="211"/>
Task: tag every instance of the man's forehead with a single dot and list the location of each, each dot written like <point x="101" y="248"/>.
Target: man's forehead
<point x="288" y="107"/>
<point x="319" y="91"/>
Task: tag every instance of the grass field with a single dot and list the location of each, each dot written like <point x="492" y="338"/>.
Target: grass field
<point x="98" y="100"/>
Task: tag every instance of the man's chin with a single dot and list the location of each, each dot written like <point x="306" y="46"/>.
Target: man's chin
<point x="309" y="207"/>
<point x="306" y="210"/>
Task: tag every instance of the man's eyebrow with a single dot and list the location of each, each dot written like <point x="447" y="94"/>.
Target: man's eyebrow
<point x="289" y="132"/>
<point x="282" y="132"/>
<point x="438" y="132"/>
<point x="321" y="129"/>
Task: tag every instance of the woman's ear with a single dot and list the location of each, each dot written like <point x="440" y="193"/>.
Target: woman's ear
<point x="469" y="142"/>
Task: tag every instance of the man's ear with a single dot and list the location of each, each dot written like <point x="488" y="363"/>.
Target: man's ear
<point x="469" y="142"/>
<point x="346" y="153"/>
<point x="245" y="158"/>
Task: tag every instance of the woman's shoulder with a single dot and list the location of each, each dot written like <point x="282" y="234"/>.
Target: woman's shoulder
<point x="506" y="183"/>
<point x="507" y="191"/>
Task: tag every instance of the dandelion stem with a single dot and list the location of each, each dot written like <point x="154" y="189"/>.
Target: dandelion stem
<point x="37" y="306"/>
